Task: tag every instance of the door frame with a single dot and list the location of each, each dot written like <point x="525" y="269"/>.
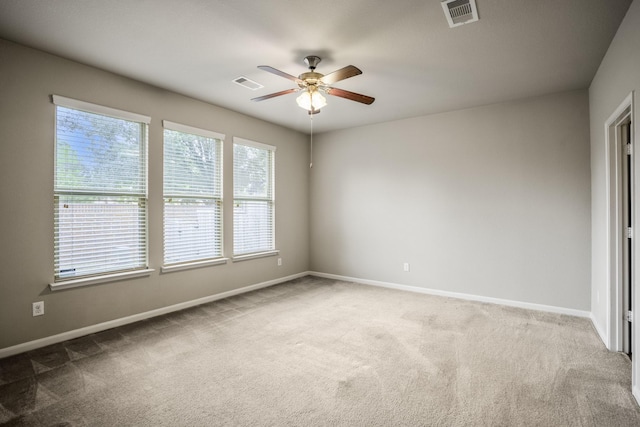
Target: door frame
<point x="615" y="227"/>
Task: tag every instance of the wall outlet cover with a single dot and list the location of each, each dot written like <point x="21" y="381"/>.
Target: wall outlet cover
<point x="37" y="308"/>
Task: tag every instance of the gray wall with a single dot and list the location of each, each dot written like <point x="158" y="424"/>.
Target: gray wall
<point x="618" y="75"/>
<point x="491" y="201"/>
<point x="27" y="79"/>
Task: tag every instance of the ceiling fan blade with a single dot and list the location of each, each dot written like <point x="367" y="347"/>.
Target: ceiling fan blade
<point x="273" y="95"/>
<point x="279" y="73"/>
<point x="341" y="74"/>
<point x="350" y="95"/>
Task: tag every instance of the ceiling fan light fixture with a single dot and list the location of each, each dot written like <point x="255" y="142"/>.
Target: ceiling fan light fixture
<point x="311" y="100"/>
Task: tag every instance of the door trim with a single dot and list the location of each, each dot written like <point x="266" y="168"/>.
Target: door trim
<point x="615" y="241"/>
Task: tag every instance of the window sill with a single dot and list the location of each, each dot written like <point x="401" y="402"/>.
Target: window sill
<point x="87" y="281"/>
<point x="192" y="265"/>
<point x="255" y="255"/>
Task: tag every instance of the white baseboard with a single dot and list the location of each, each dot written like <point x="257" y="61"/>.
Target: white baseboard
<point x="76" y="333"/>
<point x="636" y="394"/>
<point x="603" y="336"/>
<point x="470" y="297"/>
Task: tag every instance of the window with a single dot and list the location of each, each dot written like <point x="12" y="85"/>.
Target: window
<point x="192" y="194"/>
<point x="253" y="197"/>
<point x="100" y="190"/>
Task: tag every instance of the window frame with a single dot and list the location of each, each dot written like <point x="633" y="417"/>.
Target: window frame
<point x="143" y="269"/>
<point x="271" y="201"/>
<point x="219" y="140"/>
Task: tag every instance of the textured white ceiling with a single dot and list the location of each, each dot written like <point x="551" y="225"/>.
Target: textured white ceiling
<point x="412" y="62"/>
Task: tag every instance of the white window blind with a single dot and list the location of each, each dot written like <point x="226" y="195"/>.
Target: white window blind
<point x="192" y="194"/>
<point x="100" y="190"/>
<point x="253" y="194"/>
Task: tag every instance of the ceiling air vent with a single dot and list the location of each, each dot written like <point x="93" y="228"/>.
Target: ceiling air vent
<point x="248" y="83"/>
<point x="459" y="12"/>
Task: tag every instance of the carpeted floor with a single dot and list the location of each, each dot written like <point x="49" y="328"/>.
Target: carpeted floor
<point x="317" y="352"/>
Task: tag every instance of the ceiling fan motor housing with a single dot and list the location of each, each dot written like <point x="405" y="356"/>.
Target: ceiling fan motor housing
<point x="310" y="78"/>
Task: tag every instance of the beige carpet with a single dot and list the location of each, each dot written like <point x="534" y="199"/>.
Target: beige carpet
<point x="320" y="352"/>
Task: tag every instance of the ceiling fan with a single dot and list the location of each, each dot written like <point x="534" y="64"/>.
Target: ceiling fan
<point x="311" y="84"/>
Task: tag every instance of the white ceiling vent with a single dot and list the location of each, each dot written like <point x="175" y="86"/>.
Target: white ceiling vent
<point x="248" y="83"/>
<point x="459" y="12"/>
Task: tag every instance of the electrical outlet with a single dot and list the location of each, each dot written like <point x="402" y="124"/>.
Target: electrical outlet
<point x="38" y="308"/>
<point x="279" y="262"/>
<point x="405" y="267"/>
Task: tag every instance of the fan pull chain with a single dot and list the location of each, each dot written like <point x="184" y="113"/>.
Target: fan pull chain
<point x="311" y="148"/>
